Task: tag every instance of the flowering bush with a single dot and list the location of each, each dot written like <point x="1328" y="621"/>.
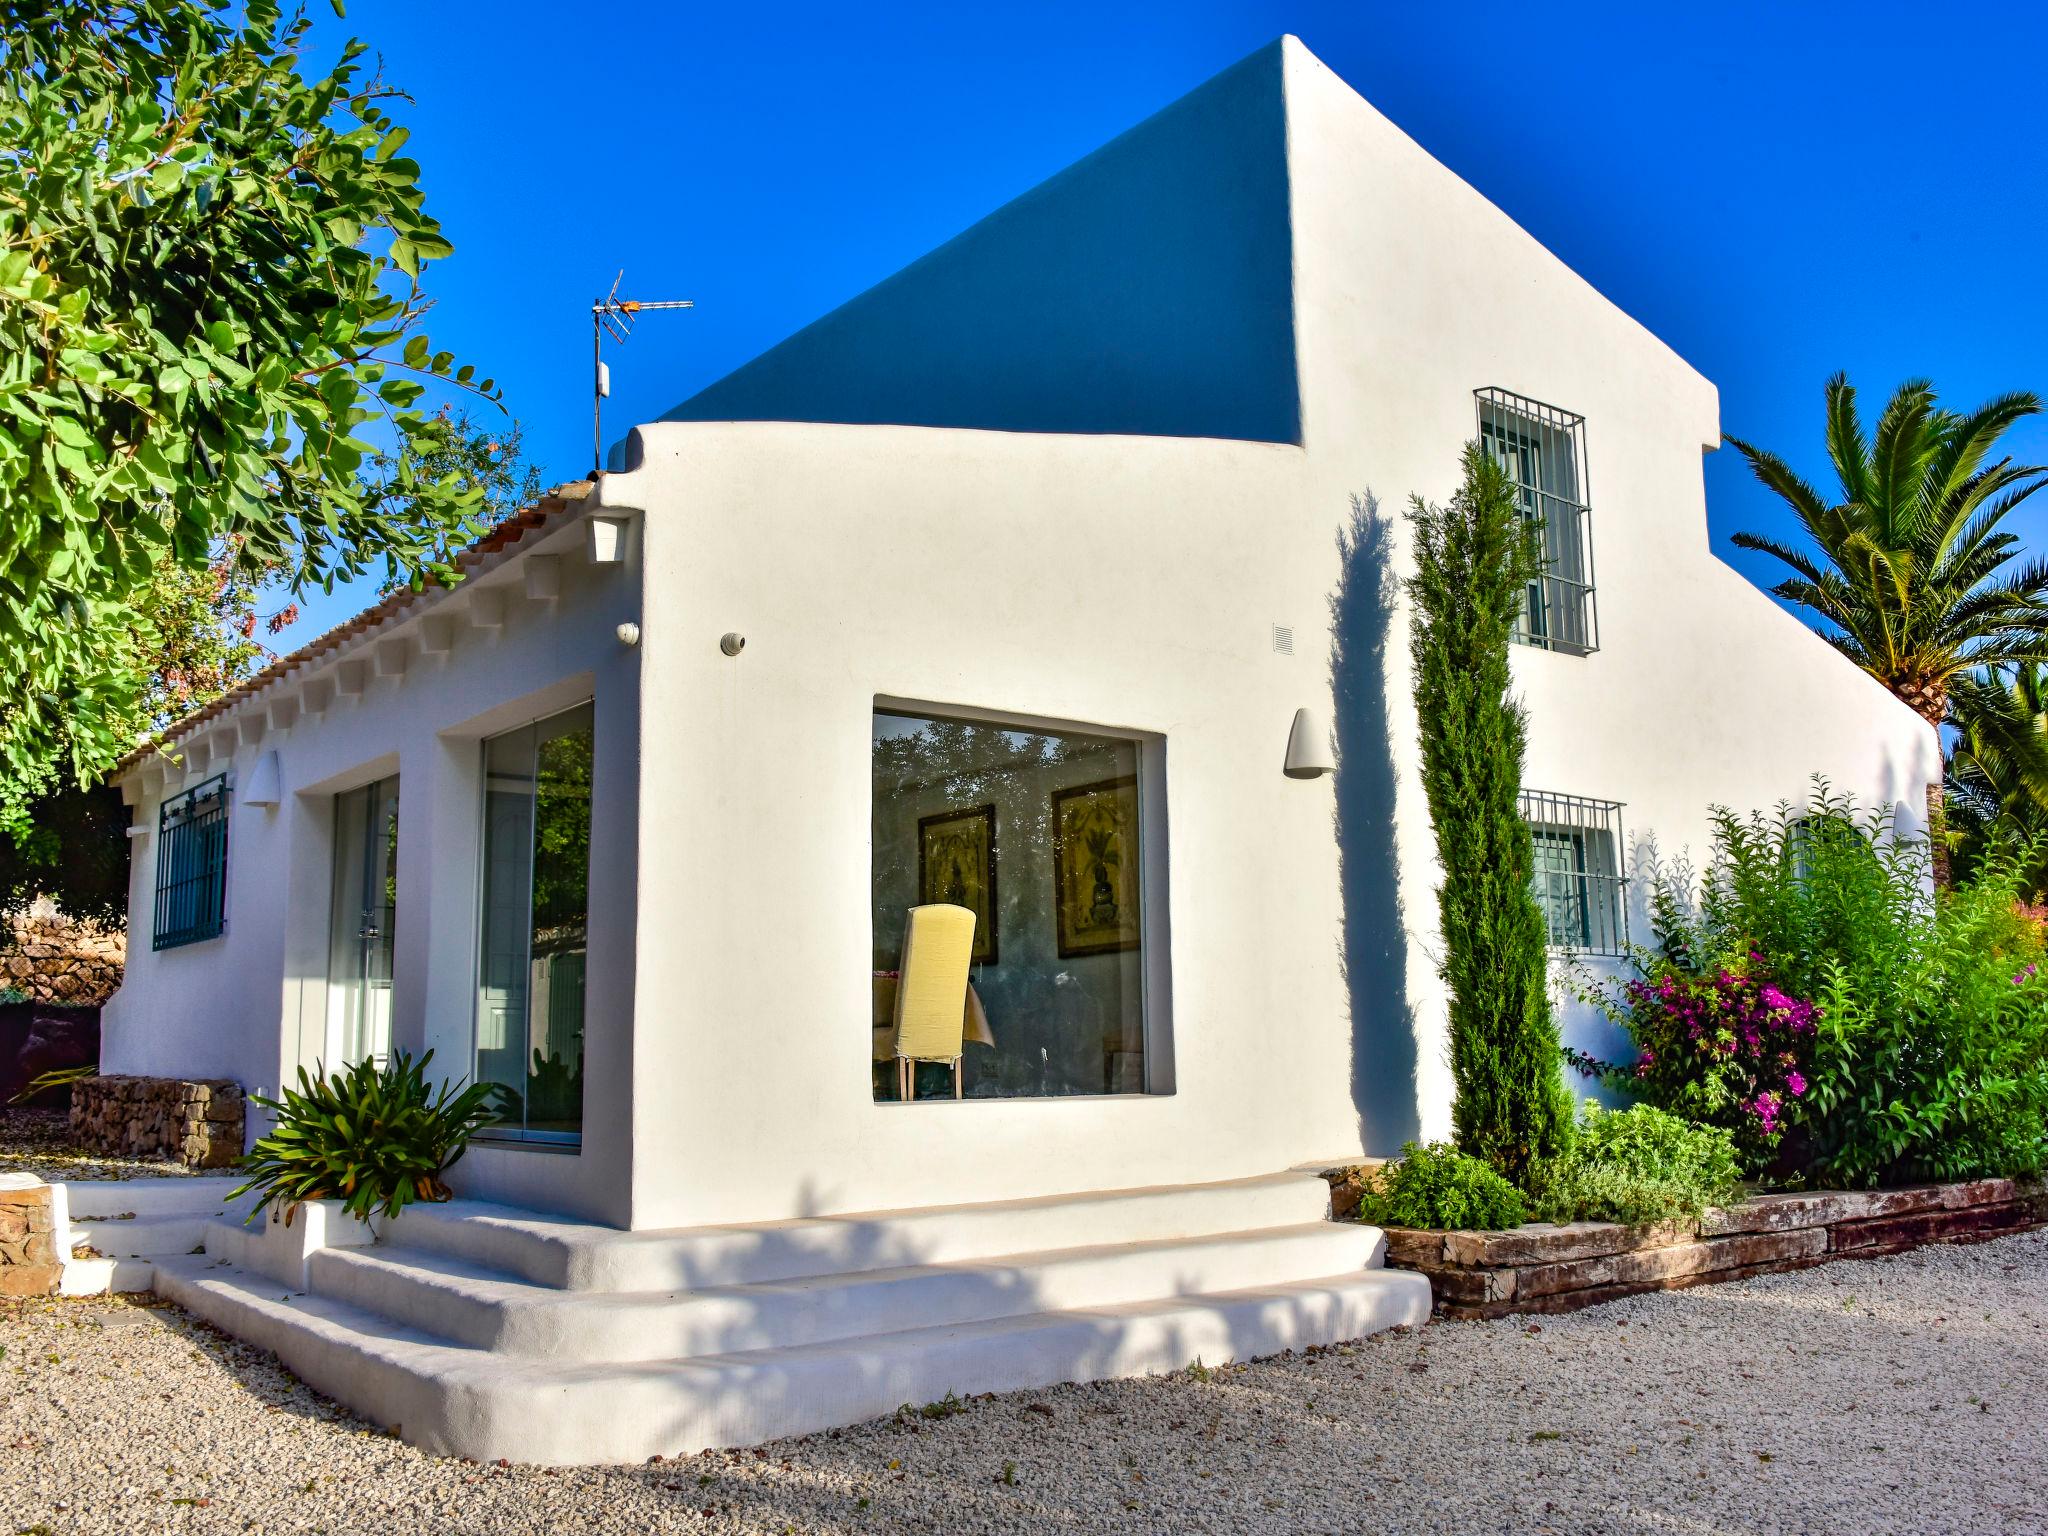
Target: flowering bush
<point x="1814" y="995"/>
<point x="1727" y="1047"/>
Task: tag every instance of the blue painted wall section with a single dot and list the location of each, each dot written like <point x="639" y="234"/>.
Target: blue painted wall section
<point x="1146" y="289"/>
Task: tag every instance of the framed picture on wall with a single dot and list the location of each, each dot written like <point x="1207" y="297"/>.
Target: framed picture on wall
<point x="956" y="863"/>
<point x="1095" y="868"/>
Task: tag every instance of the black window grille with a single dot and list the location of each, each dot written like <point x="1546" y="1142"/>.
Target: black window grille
<point x="1577" y="876"/>
<point x="1543" y="450"/>
<point x="191" y="866"/>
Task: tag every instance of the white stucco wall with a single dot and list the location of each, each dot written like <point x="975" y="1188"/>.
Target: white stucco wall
<point x="1414" y="292"/>
<point x="1127" y="583"/>
<point x="252" y="1003"/>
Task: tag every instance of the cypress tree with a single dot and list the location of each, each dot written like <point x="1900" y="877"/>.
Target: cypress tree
<point x="1473" y="560"/>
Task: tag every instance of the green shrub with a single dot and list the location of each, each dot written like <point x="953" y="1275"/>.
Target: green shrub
<point x="1926" y="1054"/>
<point x="1438" y="1186"/>
<point x="1636" y="1165"/>
<point x="1473" y="564"/>
<point x="375" y="1138"/>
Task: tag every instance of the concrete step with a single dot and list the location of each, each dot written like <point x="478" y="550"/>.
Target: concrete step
<point x="452" y="1400"/>
<point x="142" y="1236"/>
<point x="202" y="1195"/>
<point x="572" y="1255"/>
<point x="486" y="1309"/>
<point x="102" y="1277"/>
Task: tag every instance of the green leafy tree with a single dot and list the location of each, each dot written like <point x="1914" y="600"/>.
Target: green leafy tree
<point x="197" y="632"/>
<point x="1911" y="571"/>
<point x="1473" y="560"/>
<point x="209" y="295"/>
<point x="195" y="629"/>
<point x="470" y="455"/>
<point x="1997" y="773"/>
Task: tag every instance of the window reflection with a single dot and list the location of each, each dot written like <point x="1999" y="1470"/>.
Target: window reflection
<point x="1038" y="833"/>
<point x="535" y="923"/>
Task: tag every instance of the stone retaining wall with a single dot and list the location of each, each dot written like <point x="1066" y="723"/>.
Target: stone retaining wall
<point x="29" y="1262"/>
<point x="198" y="1123"/>
<point x="1546" y="1268"/>
<point x="50" y="958"/>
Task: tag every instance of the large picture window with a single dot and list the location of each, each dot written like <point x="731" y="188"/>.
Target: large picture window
<point x="191" y="866"/>
<point x="534" y="932"/>
<point x="1037" y="832"/>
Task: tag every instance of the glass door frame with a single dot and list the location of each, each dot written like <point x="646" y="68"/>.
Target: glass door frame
<point x="361" y="861"/>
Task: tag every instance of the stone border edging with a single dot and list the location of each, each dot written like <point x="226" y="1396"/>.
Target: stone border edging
<point x="30" y="1264"/>
<point x="1542" y="1267"/>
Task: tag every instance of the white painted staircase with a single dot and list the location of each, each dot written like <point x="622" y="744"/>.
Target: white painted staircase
<point x="484" y="1331"/>
<point x="130" y="1225"/>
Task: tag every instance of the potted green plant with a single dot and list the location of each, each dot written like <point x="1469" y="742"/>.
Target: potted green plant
<point x="374" y="1138"/>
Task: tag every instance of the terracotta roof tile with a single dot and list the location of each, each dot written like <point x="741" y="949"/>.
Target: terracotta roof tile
<point x="501" y="537"/>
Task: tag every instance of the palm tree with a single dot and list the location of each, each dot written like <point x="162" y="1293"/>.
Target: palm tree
<point x="1913" y="574"/>
<point x="1997" y="769"/>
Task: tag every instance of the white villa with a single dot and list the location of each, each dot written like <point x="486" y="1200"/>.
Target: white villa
<point x="1038" y="580"/>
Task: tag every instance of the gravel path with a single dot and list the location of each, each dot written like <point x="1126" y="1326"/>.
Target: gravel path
<point x="1900" y="1395"/>
<point x="38" y="1141"/>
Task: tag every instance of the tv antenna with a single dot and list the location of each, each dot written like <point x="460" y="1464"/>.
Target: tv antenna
<point x="614" y="314"/>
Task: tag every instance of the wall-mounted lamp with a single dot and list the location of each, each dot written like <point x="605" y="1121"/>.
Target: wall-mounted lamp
<point x="265" y="783"/>
<point x="606" y="539"/>
<point x="732" y="642"/>
<point x="1308" y="747"/>
<point x="628" y="633"/>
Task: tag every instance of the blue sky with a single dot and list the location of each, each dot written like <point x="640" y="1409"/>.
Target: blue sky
<point x="1777" y="190"/>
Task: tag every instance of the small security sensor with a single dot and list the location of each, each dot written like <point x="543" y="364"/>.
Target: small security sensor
<point x="732" y="642"/>
<point x="628" y="633"/>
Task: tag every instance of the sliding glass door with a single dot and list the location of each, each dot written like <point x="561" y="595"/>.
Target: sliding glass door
<point x="534" y="930"/>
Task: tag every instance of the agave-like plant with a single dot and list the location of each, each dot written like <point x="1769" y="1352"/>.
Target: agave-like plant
<point x="375" y="1138"/>
<point x="1913" y="573"/>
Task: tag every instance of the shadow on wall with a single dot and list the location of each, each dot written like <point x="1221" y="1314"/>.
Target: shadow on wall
<point x="1374" y="953"/>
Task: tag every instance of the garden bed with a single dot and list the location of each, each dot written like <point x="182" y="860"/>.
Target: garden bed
<point x="1541" y="1268"/>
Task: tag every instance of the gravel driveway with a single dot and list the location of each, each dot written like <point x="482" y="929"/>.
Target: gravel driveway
<point x="1898" y="1395"/>
<point x="39" y="1141"/>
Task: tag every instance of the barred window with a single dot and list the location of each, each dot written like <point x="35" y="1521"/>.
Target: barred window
<point x="1577" y="876"/>
<point x="1543" y="449"/>
<point x="191" y="866"/>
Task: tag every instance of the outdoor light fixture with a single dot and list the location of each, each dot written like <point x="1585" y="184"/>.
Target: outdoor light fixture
<point x="1308" y="747"/>
<point x="605" y="539"/>
<point x="628" y="633"/>
<point x="265" y="783"/>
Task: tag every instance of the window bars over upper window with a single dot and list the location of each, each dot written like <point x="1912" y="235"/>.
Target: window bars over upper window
<point x="1577" y="875"/>
<point x="191" y="866"/>
<point x="1543" y="450"/>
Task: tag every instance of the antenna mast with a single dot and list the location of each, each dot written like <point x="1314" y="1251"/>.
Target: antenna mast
<point x="614" y="314"/>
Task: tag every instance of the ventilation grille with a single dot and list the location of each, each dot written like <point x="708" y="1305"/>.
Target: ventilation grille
<point x="1283" y="639"/>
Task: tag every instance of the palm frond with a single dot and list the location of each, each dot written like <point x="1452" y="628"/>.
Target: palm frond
<point x="1906" y="438"/>
<point x="1774" y="472"/>
<point x="1846" y="446"/>
<point x="1972" y="436"/>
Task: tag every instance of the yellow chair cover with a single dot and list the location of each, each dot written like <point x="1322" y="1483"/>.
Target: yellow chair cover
<point x="931" y="998"/>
